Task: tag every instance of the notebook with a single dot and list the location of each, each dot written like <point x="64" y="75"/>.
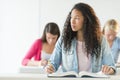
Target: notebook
<point x="31" y="69"/>
<point x="80" y="74"/>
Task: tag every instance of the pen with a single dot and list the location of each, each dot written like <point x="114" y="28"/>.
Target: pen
<point x="49" y="63"/>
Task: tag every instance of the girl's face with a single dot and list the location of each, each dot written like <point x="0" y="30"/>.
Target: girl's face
<point x="110" y="35"/>
<point x="51" y="39"/>
<point x="76" y="20"/>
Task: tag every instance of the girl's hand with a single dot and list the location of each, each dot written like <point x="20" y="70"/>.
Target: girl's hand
<point x="49" y="69"/>
<point x="43" y="62"/>
<point x="107" y="69"/>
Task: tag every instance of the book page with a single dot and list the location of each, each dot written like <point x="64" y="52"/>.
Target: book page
<point x="92" y="75"/>
<point x="81" y="74"/>
<point x="118" y="61"/>
<point x="117" y="65"/>
<point x="64" y="74"/>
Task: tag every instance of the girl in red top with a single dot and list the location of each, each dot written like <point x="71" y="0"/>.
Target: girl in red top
<point x="42" y="48"/>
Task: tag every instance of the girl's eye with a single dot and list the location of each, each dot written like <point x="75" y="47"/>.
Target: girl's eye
<point x="75" y="17"/>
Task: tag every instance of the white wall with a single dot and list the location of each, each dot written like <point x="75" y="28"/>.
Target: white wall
<point x="57" y="10"/>
<point x="19" y="24"/>
<point x="22" y="21"/>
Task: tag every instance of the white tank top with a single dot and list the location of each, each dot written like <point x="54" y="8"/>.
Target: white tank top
<point x="45" y="55"/>
<point x="83" y="61"/>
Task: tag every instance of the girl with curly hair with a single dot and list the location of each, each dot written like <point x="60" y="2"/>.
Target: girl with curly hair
<point x="82" y="46"/>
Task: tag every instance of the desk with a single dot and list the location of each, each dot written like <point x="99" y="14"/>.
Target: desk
<point x="21" y="76"/>
<point x="36" y="76"/>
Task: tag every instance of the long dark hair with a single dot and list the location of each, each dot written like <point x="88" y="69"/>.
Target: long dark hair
<point x="52" y="28"/>
<point x="91" y="30"/>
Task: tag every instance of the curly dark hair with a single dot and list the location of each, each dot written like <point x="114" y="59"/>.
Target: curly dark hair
<point x="91" y="30"/>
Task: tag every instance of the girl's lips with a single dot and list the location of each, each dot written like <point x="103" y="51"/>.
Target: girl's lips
<point x="73" y="26"/>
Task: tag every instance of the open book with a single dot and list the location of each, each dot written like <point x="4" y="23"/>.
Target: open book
<point x="117" y="65"/>
<point x="81" y="74"/>
<point x="31" y="69"/>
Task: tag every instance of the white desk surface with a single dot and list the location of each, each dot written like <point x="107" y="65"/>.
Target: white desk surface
<point x="38" y="76"/>
<point x="26" y="76"/>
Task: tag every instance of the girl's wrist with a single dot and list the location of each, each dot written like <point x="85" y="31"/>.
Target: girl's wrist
<point x="39" y="63"/>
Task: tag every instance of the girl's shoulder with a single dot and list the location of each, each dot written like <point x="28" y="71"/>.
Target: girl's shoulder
<point x="38" y="41"/>
<point x="117" y="40"/>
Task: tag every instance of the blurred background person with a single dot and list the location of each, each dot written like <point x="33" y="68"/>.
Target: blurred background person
<point x="42" y="48"/>
<point x="110" y="30"/>
<point x="82" y="46"/>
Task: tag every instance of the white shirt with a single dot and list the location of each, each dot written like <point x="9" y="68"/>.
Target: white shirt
<point x="45" y="55"/>
<point x="83" y="61"/>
